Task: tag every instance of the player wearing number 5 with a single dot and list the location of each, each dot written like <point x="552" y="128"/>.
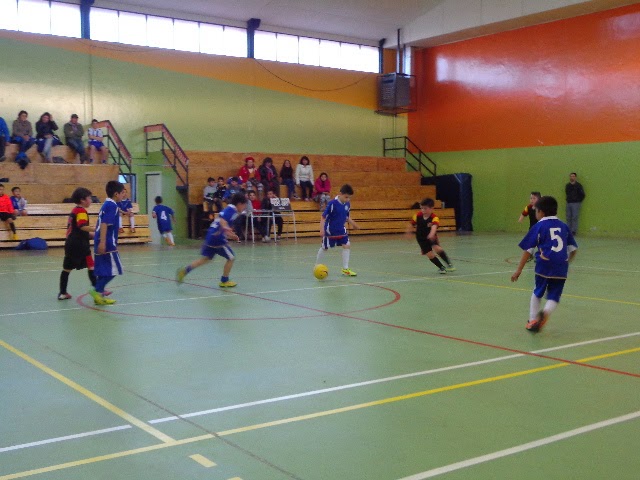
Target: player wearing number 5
<point x="554" y="247"/>
<point x="164" y="216"/>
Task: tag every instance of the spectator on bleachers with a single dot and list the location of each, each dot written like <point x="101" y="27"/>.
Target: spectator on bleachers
<point x="304" y="178"/>
<point x="250" y="176"/>
<point x="209" y="196"/>
<point x="221" y="189"/>
<point x="267" y="207"/>
<point x="7" y="213"/>
<point x="73" y="133"/>
<point x="269" y="175"/>
<point x="19" y="202"/>
<point x="96" y="144"/>
<point x="5" y="136"/>
<point x="22" y="134"/>
<point x="45" y="136"/>
<point x="126" y="210"/>
<point x="286" y="176"/>
<point x="254" y="206"/>
<point x="233" y="188"/>
<point x="322" y="189"/>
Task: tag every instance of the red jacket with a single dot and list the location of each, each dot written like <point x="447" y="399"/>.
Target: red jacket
<point x="5" y="204"/>
<point x="322" y="187"/>
<point x="244" y="174"/>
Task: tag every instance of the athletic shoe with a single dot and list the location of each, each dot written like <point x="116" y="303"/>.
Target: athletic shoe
<point x="533" y="325"/>
<point x="542" y="319"/>
<point x="348" y="272"/>
<point x="442" y="271"/>
<point x="99" y="299"/>
<point x="227" y="284"/>
<point x="180" y="274"/>
<point x="64" y="296"/>
<point x="266" y="239"/>
<point x="106" y="293"/>
<point x="14" y="237"/>
<point x="132" y="230"/>
<point x="450" y="268"/>
<point x="121" y="230"/>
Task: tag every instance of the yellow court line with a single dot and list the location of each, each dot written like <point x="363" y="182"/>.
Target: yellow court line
<point x="89" y="394"/>
<point x="202" y="460"/>
<point x="310" y="416"/>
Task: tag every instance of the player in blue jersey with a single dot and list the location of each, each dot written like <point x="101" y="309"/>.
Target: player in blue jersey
<point x="333" y="229"/>
<point x="126" y="210"/>
<point x="554" y="247"/>
<point x="164" y="216"/>
<point x="107" y="260"/>
<point x="216" y="242"/>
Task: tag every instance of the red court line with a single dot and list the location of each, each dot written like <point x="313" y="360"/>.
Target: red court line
<point x="423" y="332"/>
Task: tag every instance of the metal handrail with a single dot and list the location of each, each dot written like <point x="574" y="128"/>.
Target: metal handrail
<point x="178" y="160"/>
<point x="122" y="157"/>
<point x="422" y="159"/>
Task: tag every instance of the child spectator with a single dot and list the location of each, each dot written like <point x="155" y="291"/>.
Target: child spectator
<point x="216" y="242"/>
<point x="286" y="176"/>
<point x="304" y="178"/>
<point x="5" y="136"/>
<point x="554" y="248"/>
<point x="268" y="207"/>
<point x="19" y="203"/>
<point x="249" y="175"/>
<point x="210" y="198"/>
<point x="77" y="250"/>
<point x="96" y="144"/>
<point x="254" y="206"/>
<point x="165" y="218"/>
<point x="425" y="224"/>
<point x="333" y="230"/>
<point x="322" y="189"/>
<point x="530" y="209"/>
<point x="233" y="188"/>
<point x="269" y="175"/>
<point x="73" y="133"/>
<point x="105" y="244"/>
<point x="7" y="212"/>
<point x="22" y="134"/>
<point x="45" y="136"/>
<point x="126" y="210"/>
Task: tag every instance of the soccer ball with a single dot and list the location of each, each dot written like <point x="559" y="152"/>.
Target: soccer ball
<point x="320" y="271"/>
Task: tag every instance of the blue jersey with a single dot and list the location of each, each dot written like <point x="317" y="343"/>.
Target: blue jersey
<point x="215" y="234"/>
<point x="552" y="242"/>
<point x="125" y="205"/>
<point x="163" y="216"/>
<point x="336" y="215"/>
<point x="108" y="219"/>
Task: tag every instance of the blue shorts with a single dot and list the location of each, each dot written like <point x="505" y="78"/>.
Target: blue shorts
<point x="335" y="241"/>
<point x="223" y="250"/>
<point x="553" y="287"/>
<point x="107" y="265"/>
<point x="96" y="143"/>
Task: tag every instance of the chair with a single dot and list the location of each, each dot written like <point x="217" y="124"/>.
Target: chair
<point x="250" y="214"/>
<point x="282" y="208"/>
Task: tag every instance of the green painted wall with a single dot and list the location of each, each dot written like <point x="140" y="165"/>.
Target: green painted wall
<point x="503" y="179"/>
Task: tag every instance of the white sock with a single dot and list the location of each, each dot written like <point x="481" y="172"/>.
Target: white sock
<point x="170" y="237"/>
<point x="132" y="222"/>
<point x="320" y="257"/>
<point x="534" y="306"/>
<point x="550" y="306"/>
<point x="345" y="257"/>
<point x="120" y="221"/>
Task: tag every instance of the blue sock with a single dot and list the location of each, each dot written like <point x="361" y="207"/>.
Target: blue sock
<point x="224" y="279"/>
<point x="188" y="268"/>
<point x="101" y="283"/>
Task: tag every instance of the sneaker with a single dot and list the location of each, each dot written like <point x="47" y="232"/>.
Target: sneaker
<point x="98" y="299"/>
<point x="14" y="237"/>
<point x="533" y="325"/>
<point x="450" y="268"/>
<point x="442" y="271"/>
<point x="132" y="230"/>
<point x="180" y="274"/>
<point x="64" y="296"/>
<point x="266" y="239"/>
<point x="121" y="230"/>
<point x="542" y="319"/>
<point x="227" y="284"/>
<point x="106" y="293"/>
<point x="348" y="272"/>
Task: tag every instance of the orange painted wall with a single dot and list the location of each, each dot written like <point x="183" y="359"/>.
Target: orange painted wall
<point x="574" y="81"/>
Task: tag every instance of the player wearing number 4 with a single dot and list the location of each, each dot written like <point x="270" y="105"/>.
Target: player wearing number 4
<point x="164" y="216"/>
<point x="333" y="230"/>
<point x="554" y="248"/>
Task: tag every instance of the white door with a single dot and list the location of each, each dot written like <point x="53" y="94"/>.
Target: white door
<point x="154" y="189"/>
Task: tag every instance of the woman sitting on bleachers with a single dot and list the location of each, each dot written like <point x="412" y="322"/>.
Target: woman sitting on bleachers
<point x="46" y="138"/>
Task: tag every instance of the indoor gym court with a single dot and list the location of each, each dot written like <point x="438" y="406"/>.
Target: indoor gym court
<point x="399" y="373"/>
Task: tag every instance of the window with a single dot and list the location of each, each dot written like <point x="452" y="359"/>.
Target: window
<point x="132" y="28"/>
<point x="211" y="39"/>
<point x="287" y="48"/>
<point x="186" y="36"/>
<point x="309" y="51"/>
<point x="159" y="32"/>
<point x="65" y="20"/>
<point x="330" y="54"/>
<point x="8" y="14"/>
<point x="234" y="42"/>
<point x="104" y="25"/>
<point x="34" y="16"/>
<point x="265" y="46"/>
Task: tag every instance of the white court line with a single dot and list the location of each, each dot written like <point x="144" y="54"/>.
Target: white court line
<point x="226" y="294"/>
<point x="325" y="390"/>
<point x="522" y="448"/>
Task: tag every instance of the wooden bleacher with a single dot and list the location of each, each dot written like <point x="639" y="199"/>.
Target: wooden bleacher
<point x="69" y="155"/>
<point x="384" y="190"/>
<point x="46" y="185"/>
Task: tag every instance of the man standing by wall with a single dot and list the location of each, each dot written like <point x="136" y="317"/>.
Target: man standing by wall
<point x="575" y="196"/>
